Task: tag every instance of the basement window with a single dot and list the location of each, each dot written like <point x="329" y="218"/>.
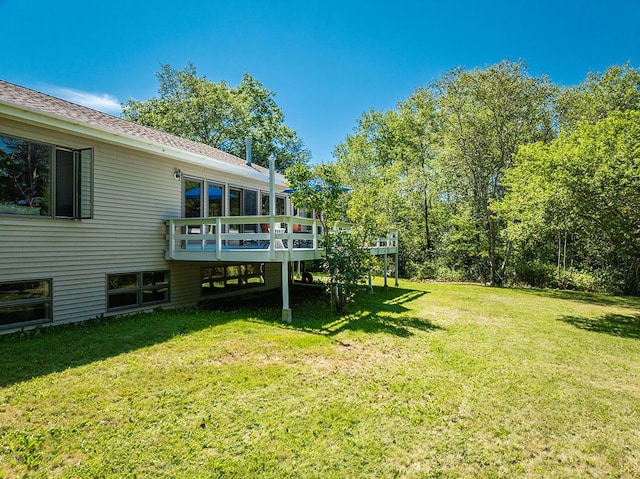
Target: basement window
<point x="24" y="303"/>
<point x="132" y="290"/>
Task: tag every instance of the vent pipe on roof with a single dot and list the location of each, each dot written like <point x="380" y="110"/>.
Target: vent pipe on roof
<point x="248" y="142"/>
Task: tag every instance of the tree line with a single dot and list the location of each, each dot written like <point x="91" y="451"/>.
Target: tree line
<point x="499" y="176"/>
<point x="490" y="174"/>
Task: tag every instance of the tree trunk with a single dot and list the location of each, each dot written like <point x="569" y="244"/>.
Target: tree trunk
<point x="559" y="256"/>
<point x="493" y="260"/>
<point x="564" y="256"/>
<point x="505" y="262"/>
<point x="426" y="226"/>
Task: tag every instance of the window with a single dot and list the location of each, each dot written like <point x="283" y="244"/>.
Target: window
<point x="197" y="204"/>
<point x="243" y="202"/>
<point x="38" y="179"/>
<point x="192" y="198"/>
<point x="25" y="302"/>
<point x="280" y="204"/>
<point x="235" y="201"/>
<point x="130" y="290"/>
<point x="216" y="279"/>
<point x="216" y="199"/>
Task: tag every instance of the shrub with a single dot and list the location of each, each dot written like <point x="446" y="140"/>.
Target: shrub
<point x="534" y="274"/>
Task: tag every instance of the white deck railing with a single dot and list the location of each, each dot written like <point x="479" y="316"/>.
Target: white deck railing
<point x="255" y="238"/>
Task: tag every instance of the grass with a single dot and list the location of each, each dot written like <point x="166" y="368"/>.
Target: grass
<point x="424" y="380"/>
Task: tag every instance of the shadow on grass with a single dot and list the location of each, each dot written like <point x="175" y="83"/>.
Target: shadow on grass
<point x="614" y="324"/>
<point x="381" y="312"/>
<point x="55" y="349"/>
<point x="40" y="352"/>
<point x="590" y="298"/>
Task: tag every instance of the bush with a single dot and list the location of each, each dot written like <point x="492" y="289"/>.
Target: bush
<point x="534" y="274"/>
<point x="544" y="275"/>
<point x="444" y="273"/>
<point x="421" y="271"/>
<point x="438" y="272"/>
<point x="583" y="281"/>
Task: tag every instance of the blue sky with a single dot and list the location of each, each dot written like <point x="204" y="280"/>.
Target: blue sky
<point x="327" y="61"/>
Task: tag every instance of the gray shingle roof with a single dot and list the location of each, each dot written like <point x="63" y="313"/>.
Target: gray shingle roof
<point x="53" y="106"/>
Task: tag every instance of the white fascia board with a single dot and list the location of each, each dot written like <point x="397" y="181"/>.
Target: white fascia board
<point x="40" y="118"/>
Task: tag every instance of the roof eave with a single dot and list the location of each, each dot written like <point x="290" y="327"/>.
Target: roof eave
<point x="40" y="118"/>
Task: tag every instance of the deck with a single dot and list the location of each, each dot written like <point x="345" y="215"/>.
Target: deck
<point x="255" y="239"/>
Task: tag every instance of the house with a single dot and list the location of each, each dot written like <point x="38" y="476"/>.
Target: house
<point x="100" y="216"/>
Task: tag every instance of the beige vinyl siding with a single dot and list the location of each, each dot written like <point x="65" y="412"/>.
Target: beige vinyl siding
<point x="134" y="192"/>
<point x="272" y="275"/>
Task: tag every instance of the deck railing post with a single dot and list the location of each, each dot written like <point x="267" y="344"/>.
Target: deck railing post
<point x="171" y="239"/>
<point x="218" y="238"/>
<point x="289" y="231"/>
<point x="315" y="234"/>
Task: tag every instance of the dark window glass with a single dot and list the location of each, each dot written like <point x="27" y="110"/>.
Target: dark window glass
<point x="254" y="269"/>
<point x="24" y="177"/>
<point x="155" y="295"/>
<point x="280" y="205"/>
<point x="25" y="301"/>
<point x="235" y="195"/>
<point x="123" y="281"/>
<point x="250" y="206"/>
<point x="27" y="170"/>
<point x="216" y="196"/>
<point x="192" y="198"/>
<point x="121" y="300"/>
<point x="24" y="313"/>
<point x="136" y="289"/>
<point x="64" y="183"/>
<point x="24" y="290"/>
<point x="155" y="278"/>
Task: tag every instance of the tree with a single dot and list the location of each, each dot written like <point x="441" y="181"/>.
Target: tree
<point x="389" y="161"/>
<point x="417" y="134"/>
<point x="346" y="259"/>
<point x="617" y="89"/>
<point x="543" y="215"/>
<point x="538" y="212"/>
<point x="587" y="182"/>
<point x="487" y="114"/>
<point x="220" y="116"/>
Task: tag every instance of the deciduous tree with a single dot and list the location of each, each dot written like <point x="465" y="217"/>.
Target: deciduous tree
<point x="487" y="115"/>
<point x="346" y="259"/>
<point x="587" y="181"/>
<point x="219" y="115"/>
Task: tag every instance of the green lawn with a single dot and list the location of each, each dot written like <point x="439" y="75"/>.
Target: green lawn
<point x="424" y="380"/>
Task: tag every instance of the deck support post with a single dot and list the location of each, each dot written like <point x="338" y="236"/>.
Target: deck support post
<point x="286" y="310"/>
<point x="272" y="206"/>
